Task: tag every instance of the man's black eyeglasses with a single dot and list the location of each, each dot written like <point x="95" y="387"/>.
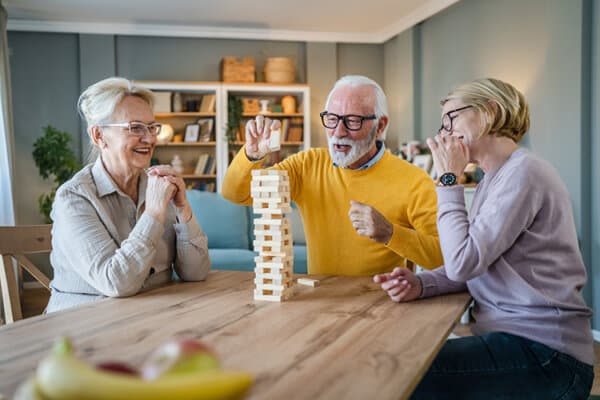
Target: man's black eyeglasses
<point x="447" y="118"/>
<point x="351" y="122"/>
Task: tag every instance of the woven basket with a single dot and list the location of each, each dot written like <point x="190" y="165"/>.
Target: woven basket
<point x="280" y="70"/>
<point x="235" y="70"/>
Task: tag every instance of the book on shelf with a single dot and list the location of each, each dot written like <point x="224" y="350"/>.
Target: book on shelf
<point x="241" y="133"/>
<point x="201" y="164"/>
<point x="208" y="103"/>
<point x="294" y="133"/>
<point x="285" y="126"/>
<point x="206" y="129"/>
<point x="211" y="166"/>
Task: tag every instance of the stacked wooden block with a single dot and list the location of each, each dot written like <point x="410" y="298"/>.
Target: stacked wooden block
<point x="270" y="190"/>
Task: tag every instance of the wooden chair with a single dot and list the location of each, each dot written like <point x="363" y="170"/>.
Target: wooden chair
<point x="15" y="242"/>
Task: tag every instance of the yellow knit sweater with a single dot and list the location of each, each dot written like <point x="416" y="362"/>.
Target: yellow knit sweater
<point x="404" y="194"/>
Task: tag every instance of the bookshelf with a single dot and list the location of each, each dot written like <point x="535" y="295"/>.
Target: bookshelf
<point x="205" y="161"/>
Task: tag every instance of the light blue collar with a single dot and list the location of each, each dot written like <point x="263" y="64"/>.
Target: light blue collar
<point x="380" y="152"/>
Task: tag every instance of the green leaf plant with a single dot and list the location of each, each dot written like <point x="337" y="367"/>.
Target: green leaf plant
<point x="55" y="160"/>
<point x="234" y="117"/>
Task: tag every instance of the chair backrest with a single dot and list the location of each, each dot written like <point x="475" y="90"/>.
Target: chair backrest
<point x="15" y="242"/>
<point x="224" y="223"/>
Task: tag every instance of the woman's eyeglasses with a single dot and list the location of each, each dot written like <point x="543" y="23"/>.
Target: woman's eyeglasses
<point x="138" y="128"/>
<point x="447" y="118"/>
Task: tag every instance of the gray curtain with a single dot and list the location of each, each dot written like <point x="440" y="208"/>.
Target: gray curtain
<point x="7" y="212"/>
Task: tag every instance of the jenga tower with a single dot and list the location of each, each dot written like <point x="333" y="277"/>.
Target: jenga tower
<point x="270" y="191"/>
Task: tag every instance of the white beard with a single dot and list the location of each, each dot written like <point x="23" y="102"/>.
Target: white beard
<point x="359" y="148"/>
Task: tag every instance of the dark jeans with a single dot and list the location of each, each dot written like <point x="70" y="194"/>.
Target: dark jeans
<point x="503" y="366"/>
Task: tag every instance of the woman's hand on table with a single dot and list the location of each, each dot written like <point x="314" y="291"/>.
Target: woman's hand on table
<point x="401" y="284"/>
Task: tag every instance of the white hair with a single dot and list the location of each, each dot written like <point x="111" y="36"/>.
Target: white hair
<point x="98" y="102"/>
<point x="381" y="105"/>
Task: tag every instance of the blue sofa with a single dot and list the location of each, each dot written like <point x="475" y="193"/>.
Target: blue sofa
<point x="230" y="231"/>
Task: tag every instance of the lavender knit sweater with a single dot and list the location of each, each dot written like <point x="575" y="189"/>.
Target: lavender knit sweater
<point x="517" y="253"/>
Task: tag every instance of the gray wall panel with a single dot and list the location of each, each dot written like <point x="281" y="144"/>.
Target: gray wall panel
<point x="321" y="74"/>
<point x="189" y="59"/>
<point x="399" y="88"/>
<point x="45" y="85"/>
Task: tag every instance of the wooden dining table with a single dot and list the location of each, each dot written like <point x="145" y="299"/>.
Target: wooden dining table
<point x="344" y="339"/>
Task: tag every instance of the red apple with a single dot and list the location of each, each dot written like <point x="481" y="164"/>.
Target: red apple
<point x="117" y="367"/>
<point x="179" y="356"/>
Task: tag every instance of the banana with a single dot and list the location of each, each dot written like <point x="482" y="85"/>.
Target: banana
<point x="28" y="390"/>
<point x="63" y="376"/>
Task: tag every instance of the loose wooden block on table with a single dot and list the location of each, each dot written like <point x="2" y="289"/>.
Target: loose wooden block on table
<point x="308" y="282"/>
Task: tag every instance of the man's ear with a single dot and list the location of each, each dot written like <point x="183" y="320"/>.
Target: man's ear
<point x="382" y="123"/>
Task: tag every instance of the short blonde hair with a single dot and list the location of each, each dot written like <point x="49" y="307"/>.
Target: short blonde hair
<point x="502" y="108"/>
<point x="98" y="102"/>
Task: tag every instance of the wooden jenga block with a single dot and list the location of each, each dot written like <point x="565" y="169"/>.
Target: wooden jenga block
<point x="267" y="295"/>
<point x="268" y="259"/>
<point x="280" y="188"/>
<point x="273" y="273"/>
<point x="272" y="183"/>
<point x="272" y="236"/>
<point x="285" y="199"/>
<point x="272" y="230"/>
<point x="283" y="275"/>
<point x="263" y="172"/>
<point x="274" y="244"/>
<point x="308" y="282"/>
<point x="267" y="212"/>
<point x="274" y="265"/>
<point x="275" y="253"/>
<point x="260" y="285"/>
<point x="270" y="178"/>
<point x="273" y="250"/>
<point x="268" y="221"/>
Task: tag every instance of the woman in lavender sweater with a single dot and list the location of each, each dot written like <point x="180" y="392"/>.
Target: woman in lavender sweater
<point x="516" y="253"/>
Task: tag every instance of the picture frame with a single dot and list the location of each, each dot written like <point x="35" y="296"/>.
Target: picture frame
<point x="423" y="161"/>
<point x="192" y="131"/>
<point x="206" y="129"/>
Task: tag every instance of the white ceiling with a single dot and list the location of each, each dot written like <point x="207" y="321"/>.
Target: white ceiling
<point x="356" y="21"/>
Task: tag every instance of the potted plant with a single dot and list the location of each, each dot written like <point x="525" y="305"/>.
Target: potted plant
<point x="54" y="158"/>
<point x="234" y="117"/>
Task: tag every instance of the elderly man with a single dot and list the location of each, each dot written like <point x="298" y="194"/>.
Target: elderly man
<point x="364" y="210"/>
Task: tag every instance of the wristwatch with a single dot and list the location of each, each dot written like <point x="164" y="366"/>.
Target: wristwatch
<point x="448" y="179"/>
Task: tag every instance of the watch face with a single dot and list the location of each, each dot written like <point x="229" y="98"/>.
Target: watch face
<point x="448" y="179"/>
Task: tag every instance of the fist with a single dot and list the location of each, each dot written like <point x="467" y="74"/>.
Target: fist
<point x="369" y="222"/>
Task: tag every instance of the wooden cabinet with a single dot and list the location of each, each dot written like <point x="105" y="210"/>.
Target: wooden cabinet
<point x="217" y="150"/>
